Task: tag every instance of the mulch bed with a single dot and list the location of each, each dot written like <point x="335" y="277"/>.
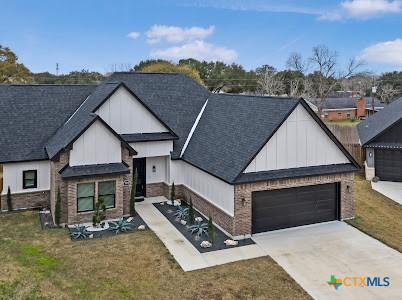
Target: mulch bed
<point x="219" y="237"/>
<point x="137" y="221"/>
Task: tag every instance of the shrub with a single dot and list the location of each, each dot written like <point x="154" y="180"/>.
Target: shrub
<point x="9" y="201"/>
<point x="133" y="192"/>
<point x="191" y="217"/>
<point x="173" y="193"/>
<point x="210" y="230"/>
<point x="57" y="211"/>
<point x="100" y="212"/>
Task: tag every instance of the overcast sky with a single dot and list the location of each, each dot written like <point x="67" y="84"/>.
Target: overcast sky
<point x="95" y="35"/>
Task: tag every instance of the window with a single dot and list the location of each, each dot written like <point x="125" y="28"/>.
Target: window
<point x="107" y="191"/>
<point x="29" y="179"/>
<point x="85" y="197"/>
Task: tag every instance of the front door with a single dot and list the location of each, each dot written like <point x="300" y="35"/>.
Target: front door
<point x="140" y="165"/>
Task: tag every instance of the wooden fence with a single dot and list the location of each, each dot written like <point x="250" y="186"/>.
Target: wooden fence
<point x="349" y="138"/>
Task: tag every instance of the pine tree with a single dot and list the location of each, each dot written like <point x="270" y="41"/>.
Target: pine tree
<point x="133" y="192"/>
<point x="57" y="212"/>
<point x="9" y="201"/>
<point x="173" y="194"/>
<point x="210" y="230"/>
<point x="191" y="217"/>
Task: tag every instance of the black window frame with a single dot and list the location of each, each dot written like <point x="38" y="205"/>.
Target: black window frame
<point x="24" y="186"/>
<point x="114" y="195"/>
<point x="93" y="197"/>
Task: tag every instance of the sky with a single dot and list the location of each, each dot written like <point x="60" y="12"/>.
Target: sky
<point x="105" y="35"/>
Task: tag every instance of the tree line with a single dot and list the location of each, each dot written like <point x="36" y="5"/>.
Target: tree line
<point x="317" y="76"/>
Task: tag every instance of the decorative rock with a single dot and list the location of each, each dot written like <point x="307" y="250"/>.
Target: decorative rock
<point x="141" y="227"/>
<point x="205" y="244"/>
<point x="130" y="219"/>
<point x="91" y="236"/>
<point x="231" y="243"/>
<point x="183" y="222"/>
<point x="198" y="219"/>
<point x="162" y="203"/>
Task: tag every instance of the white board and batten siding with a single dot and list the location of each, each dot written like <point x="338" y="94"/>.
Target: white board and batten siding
<point x="157" y="169"/>
<point x="13" y="172"/>
<point x="126" y="115"/>
<point x="97" y="145"/>
<point x="299" y="142"/>
<point x="152" y="149"/>
<point x="214" y="190"/>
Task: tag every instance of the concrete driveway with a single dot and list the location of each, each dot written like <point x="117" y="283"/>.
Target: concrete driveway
<point x="311" y="254"/>
<point x="392" y="190"/>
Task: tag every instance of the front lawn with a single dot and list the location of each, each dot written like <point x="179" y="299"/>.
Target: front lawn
<point x="377" y="215"/>
<point x="48" y="265"/>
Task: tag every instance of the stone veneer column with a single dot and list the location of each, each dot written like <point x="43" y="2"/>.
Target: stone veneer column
<point x="56" y="182"/>
<point x="127" y="180"/>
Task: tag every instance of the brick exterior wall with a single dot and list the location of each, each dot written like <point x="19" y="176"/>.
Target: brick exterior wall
<point x="28" y="200"/>
<point x="127" y="179"/>
<point x="56" y="182"/>
<point x="243" y="218"/>
<point x="158" y="189"/>
<point x="75" y="217"/>
<point x="338" y="115"/>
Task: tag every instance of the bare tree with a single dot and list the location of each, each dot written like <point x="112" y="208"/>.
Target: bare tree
<point x="387" y="93"/>
<point x="295" y="62"/>
<point x="295" y="87"/>
<point x="270" y="84"/>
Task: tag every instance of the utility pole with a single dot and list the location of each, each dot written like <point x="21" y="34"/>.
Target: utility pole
<point x="373" y="90"/>
<point x="57" y="69"/>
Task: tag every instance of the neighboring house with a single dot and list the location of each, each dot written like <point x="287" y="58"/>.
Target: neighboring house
<point x="252" y="163"/>
<point x="346" y="108"/>
<point x="381" y="136"/>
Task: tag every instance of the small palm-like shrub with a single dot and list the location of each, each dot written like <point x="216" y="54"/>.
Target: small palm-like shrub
<point x="181" y="213"/>
<point x="199" y="229"/>
<point x="120" y="226"/>
<point x="80" y="233"/>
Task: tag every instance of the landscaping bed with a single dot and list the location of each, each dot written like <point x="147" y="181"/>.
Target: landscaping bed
<point x="219" y="237"/>
<point x="111" y="228"/>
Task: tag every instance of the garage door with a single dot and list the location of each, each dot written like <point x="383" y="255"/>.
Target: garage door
<point x="388" y="165"/>
<point x="277" y="209"/>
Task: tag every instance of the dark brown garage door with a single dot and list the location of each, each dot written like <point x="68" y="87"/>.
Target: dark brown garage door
<point x="291" y="207"/>
<point x="388" y="165"/>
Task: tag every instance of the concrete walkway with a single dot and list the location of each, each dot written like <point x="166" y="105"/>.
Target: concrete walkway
<point x="311" y="254"/>
<point x="186" y="255"/>
<point x="392" y="190"/>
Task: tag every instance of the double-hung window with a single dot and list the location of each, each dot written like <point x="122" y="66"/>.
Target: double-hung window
<point x="29" y="179"/>
<point x="107" y="192"/>
<point x="85" y="197"/>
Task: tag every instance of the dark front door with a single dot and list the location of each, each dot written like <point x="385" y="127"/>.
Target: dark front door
<point x="388" y="165"/>
<point x="277" y="209"/>
<point x="140" y="165"/>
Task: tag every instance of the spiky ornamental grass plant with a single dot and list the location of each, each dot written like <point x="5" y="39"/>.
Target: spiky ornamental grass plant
<point x="191" y="217"/>
<point x="57" y="210"/>
<point x="133" y="192"/>
<point x="120" y="226"/>
<point x="80" y="233"/>
<point x="9" y="200"/>
<point x="199" y="229"/>
<point x="181" y="213"/>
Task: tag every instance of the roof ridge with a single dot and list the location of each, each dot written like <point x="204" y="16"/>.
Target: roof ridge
<point x="257" y="96"/>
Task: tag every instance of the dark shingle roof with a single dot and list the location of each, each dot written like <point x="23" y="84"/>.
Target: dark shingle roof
<point x="31" y="114"/>
<point x="148" y="137"/>
<point x="92" y="170"/>
<point x="296" y="172"/>
<point x="231" y="131"/>
<point x="175" y="98"/>
<point x="380" y="121"/>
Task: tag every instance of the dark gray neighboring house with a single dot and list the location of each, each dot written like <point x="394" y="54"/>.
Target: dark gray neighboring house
<point x="381" y="137"/>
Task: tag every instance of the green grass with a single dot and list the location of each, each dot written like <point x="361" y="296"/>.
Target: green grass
<point x="377" y="215"/>
<point x="39" y="264"/>
<point x="349" y="123"/>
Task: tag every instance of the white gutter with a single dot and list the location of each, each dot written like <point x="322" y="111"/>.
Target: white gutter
<point x="193" y="129"/>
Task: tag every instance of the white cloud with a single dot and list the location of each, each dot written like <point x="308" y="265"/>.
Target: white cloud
<point x="199" y="50"/>
<point x="389" y="52"/>
<point x="133" y="35"/>
<point x="363" y="9"/>
<point x="175" y="34"/>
